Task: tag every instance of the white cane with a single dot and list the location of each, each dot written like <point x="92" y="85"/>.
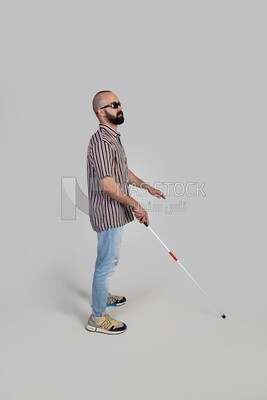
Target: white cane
<point x="176" y="259"/>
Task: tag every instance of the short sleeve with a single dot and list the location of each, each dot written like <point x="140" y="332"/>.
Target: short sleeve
<point x="102" y="156"/>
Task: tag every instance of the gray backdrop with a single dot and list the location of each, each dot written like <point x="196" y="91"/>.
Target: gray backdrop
<point x="192" y="80"/>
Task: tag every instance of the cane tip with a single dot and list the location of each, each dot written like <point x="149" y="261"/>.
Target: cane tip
<point x="223" y="316"/>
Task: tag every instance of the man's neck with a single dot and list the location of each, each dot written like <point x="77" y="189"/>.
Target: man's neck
<point x="112" y="126"/>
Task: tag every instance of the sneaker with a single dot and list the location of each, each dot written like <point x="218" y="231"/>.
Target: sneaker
<point x="115" y="301"/>
<point x="105" y="324"/>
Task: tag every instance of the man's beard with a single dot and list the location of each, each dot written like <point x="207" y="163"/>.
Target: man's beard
<point x="117" y="120"/>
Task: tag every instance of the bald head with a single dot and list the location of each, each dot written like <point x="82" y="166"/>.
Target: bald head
<point x="100" y="99"/>
<point x="108" y="109"/>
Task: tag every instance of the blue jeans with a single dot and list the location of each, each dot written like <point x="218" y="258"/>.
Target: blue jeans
<point x="108" y="251"/>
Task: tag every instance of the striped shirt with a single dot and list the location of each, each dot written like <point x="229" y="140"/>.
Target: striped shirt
<point x="106" y="157"/>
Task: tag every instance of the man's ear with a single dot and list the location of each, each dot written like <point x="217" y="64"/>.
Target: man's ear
<point x="99" y="112"/>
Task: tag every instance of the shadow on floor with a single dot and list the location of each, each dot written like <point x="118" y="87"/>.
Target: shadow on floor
<point x="62" y="291"/>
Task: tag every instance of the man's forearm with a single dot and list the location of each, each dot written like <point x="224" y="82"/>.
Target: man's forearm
<point x="112" y="189"/>
<point x="134" y="180"/>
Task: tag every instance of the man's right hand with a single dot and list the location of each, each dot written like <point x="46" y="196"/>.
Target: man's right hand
<point x="141" y="214"/>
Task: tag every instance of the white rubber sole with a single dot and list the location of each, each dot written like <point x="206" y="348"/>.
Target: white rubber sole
<point x="91" y="328"/>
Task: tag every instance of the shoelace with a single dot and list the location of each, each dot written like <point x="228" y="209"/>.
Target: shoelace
<point x="109" y="321"/>
<point x="112" y="299"/>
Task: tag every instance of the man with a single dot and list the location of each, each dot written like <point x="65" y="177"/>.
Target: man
<point x="110" y="206"/>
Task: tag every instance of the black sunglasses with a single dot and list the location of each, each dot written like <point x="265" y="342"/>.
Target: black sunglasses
<point x="112" y="105"/>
